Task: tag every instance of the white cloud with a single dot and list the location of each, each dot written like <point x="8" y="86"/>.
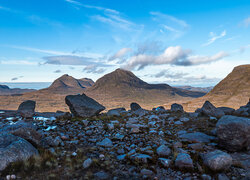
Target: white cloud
<point x="215" y="37"/>
<point x="93" y="69"/>
<point x="173" y="55"/>
<point x="170" y="28"/>
<point x="120" y="54"/>
<point x="247" y="22"/>
<point x="171" y="18"/>
<point x="18" y="62"/>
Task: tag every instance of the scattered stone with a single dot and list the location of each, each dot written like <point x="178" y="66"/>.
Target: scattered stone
<point x="217" y="160"/>
<point x="177" y="108"/>
<point x="165" y="162"/>
<point x="134" y="106"/>
<point x="233" y="132"/>
<point x="106" y="143"/>
<point x="141" y="158"/>
<point x="27" y="109"/>
<point x="196" y="137"/>
<point x="209" y="109"/>
<point x="227" y="110"/>
<point x="147" y="173"/>
<point x="14" y="149"/>
<point x="184" y="161"/>
<point x="101" y="175"/>
<point x="163" y="151"/>
<point x="87" y="163"/>
<point x="83" y="106"/>
<point x="116" y="112"/>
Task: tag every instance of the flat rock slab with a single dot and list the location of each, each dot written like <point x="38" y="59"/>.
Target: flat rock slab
<point x="13" y="149"/>
<point x="196" y="137"/>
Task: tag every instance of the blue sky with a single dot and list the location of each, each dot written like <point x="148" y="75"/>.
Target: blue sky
<point x="176" y="42"/>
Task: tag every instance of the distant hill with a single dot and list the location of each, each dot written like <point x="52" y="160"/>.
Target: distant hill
<point x="122" y="87"/>
<point x="233" y="91"/>
<point x="115" y="89"/>
<point x="199" y="89"/>
<point x="67" y="84"/>
<point x="5" y="90"/>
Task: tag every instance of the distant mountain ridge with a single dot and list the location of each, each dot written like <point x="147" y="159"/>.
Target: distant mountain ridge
<point x="67" y="84"/>
<point x="116" y="89"/>
<point x="5" y="90"/>
<point x="199" y="89"/>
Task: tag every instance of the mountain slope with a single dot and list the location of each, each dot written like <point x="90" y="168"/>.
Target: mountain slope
<point x="233" y="91"/>
<point x="123" y="87"/>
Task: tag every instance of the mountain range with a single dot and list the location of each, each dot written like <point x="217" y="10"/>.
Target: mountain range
<point x="120" y="87"/>
<point x="5" y="90"/>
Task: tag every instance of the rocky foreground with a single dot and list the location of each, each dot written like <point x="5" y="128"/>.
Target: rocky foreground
<point x="212" y="143"/>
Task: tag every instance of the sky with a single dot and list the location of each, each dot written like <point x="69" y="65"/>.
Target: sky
<point x="175" y="42"/>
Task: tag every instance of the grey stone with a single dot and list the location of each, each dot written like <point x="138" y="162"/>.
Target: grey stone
<point x="177" y="108"/>
<point x="217" y="160"/>
<point x="184" y="161"/>
<point x="106" y="143"/>
<point x="116" y="112"/>
<point x="134" y="106"/>
<point x="209" y="109"/>
<point x="163" y="151"/>
<point x="87" y="163"/>
<point x="101" y="175"/>
<point x="83" y="106"/>
<point x="196" y="137"/>
<point x="14" y="149"/>
<point x="233" y="132"/>
<point x="27" y="109"/>
<point x="165" y="162"/>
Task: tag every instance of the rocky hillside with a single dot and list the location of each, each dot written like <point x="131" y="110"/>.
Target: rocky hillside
<point x="120" y="87"/>
<point x="232" y="91"/>
<point x="5" y="90"/>
<point x="121" y="144"/>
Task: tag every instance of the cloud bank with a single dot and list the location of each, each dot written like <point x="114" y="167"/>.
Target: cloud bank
<point x="173" y="55"/>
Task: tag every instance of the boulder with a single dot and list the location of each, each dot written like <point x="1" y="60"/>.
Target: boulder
<point x="227" y="110"/>
<point x="177" y="108"/>
<point x="217" y="160"/>
<point x="209" y="109"/>
<point x="116" y="112"/>
<point x="196" y="137"/>
<point x="243" y="110"/>
<point x="14" y="149"/>
<point x="163" y="151"/>
<point x="233" y="132"/>
<point x="27" y="109"/>
<point x="184" y="161"/>
<point x="83" y="106"/>
<point x="24" y="130"/>
<point x="134" y="106"/>
<point x="106" y="143"/>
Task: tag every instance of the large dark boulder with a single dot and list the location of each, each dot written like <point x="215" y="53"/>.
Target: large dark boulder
<point x="27" y="109"/>
<point x="13" y="149"/>
<point x="24" y="130"/>
<point x="177" y="108"/>
<point x="243" y="110"/>
<point x="227" y="110"/>
<point x="134" y="106"/>
<point x="217" y="160"/>
<point x="83" y="106"/>
<point x="208" y="109"/>
<point x="233" y="132"/>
